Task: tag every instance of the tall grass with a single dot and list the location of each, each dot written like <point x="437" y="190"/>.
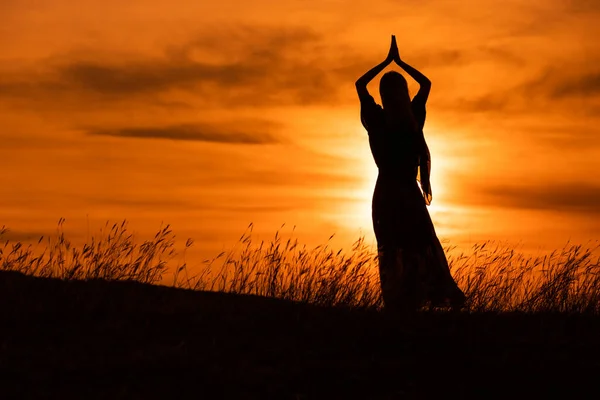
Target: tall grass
<point x="112" y="255"/>
<point x="287" y="270"/>
<point x="494" y="276"/>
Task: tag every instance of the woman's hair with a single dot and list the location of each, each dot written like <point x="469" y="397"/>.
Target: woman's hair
<point x="395" y="98"/>
<point x="393" y="83"/>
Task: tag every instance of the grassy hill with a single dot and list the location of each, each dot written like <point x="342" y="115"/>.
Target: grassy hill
<point x="98" y="339"/>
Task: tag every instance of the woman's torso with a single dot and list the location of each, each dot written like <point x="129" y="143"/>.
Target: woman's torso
<point x="394" y="148"/>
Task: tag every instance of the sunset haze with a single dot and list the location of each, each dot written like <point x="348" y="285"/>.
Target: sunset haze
<point x="209" y="116"/>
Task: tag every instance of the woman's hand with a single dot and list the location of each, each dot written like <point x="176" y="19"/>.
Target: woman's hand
<point x="361" y="83"/>
<point x="393" y="54"/>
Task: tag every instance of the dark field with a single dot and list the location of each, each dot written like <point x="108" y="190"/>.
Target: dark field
<point x="110" y="340"/>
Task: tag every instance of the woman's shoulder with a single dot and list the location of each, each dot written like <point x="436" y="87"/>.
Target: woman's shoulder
<point x="370" y="113"/>
<point x="366" y="100"/>
<point x="417" y="103"/>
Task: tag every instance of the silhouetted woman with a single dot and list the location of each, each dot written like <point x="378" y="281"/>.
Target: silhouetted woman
<point x="412" y="265"/>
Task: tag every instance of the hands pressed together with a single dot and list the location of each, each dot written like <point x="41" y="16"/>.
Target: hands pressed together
<point x="393" y="54"/>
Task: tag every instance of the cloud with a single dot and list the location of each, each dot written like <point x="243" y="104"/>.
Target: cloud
<point x="243" y="67"/>
<point x="259" y="209"/>
<point x="574" y="90"/>
<point x="564" y="197"/>
<point x="559" y="86"/>
<point x="138" y="202"/>
<point x="241" y="132"/>
<point x="564" y="84"/>
<point x="301" y="178"/>
<point x="573" y="136"/>
<point x="464" y="56"/>
<point x="492" y="102"/>
<point x="21" y="236"/>
<point x="582" y="6"/>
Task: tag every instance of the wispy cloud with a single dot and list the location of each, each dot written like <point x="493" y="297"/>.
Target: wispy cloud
<point x="457" y="57"/>
<point x="563" y="197"/>
<point x="21" y="236"/>
<point x="556" y="84"/>
<point x="241" y="132"/>
<point x="573" y="90"/>
<point x="253" y="67"/>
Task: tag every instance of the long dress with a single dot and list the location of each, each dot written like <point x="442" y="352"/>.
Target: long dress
<point x="413" y="268"/>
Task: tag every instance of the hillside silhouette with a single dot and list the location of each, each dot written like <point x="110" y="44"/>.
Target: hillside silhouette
<point x="100" y="339"/>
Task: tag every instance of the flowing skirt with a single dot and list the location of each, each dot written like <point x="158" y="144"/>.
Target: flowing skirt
<point x="413" y="268"/>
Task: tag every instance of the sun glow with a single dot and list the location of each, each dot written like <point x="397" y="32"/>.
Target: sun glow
<point x="357" y="212"/>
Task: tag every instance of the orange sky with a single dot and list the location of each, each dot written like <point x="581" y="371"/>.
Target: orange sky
<point x="212" y="115"/>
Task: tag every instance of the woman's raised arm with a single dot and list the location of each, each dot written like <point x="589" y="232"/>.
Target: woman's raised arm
<point x="422" y="80"/>
<point x="363" y="81"/>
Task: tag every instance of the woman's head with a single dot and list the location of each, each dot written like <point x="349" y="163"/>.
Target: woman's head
<point x="396" y="100"/>
<point x="393" y="89"/>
